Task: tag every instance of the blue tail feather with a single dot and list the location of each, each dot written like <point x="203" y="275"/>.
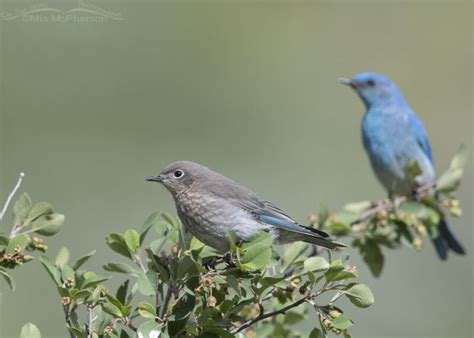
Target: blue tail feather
<point x="447" y="240"/>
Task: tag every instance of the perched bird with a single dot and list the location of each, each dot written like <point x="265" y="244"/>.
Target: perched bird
<point x="394" y="137"/>
<point x="211" y="205"/>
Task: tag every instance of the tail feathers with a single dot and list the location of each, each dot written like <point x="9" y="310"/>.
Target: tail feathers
<point x="447" y="240"/>
<point x="324" y="242"/>
<point x="304" y="233"/>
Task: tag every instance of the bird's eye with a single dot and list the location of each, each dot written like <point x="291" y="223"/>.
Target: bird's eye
<point x="178" y="173"/>
<point x="371" y="83"/>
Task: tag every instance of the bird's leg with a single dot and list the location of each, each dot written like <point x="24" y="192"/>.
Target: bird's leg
<point x="228" y="259"/>
<point x="211" y="263"/>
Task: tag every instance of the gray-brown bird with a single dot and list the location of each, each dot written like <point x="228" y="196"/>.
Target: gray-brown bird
<point x="211" y="205"/>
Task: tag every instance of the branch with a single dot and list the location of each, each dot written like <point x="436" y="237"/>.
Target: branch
<point x="389" y="205"/>
<point x="263" y="316"/>
<point x="12" y="193"/>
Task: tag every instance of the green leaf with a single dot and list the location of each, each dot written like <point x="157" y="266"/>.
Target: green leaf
<point x="132" y="240"/>
<point x="147" y="310"/>
<point x="21" y="241"/>
<point x="335" y="268"/>
<point x="451" y="178"/>
<point x="91" y="280"/>
<point x="413" y="170"/>
<point x="9" y="279"/>
<point x="150" y="329"/>
<point x="62" y="258"/>
<point x="76" y="332"/>
<point x="145" y="286"/>
<point x="184" y="307"/>
<point x="373" y="256"/>
<point x="345" y="217"/>
<point x="150" y="221"/>
<point x="316" y="333"/>
<point x="112" y="310"/>
<point x="257" y="251"/>
<point x="120" y="267"/>
<point x="358" y="207"/>
<point x="21" y="208"/>
<point x="67" y="272"/>
<point x="29" y="330"/>
<point x="294" y="251"/>
<point x="38" y="210"/>
<point x="122" y="292"/>
<point x="52" y="270"/>
<point x="359" y="295"/>
<point x="117" y="243"/>
<point x="421" y="211"/>
<point x="313" y="264"/>
<point x="342" y="322"/>
<point x="82" y="260"/>
<point x="48" y="225"/>
<point x="4" y="239"/>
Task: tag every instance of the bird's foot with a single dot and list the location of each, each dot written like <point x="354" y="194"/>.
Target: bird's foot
<point x="211" y="263"/>
<point x="228" y="260"/>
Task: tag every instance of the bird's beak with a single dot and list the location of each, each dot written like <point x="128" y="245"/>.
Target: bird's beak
<point x="158" y="178"/>
<point x="346" y="81"/>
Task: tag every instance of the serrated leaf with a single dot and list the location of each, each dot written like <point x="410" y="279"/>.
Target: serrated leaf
<point x="80" y="261"/>
<point x="62" y="258"/>
<point x="359" y="295"/>
<point x="29" y="330"/>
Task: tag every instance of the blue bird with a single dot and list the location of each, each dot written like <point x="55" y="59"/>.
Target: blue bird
<point x="211" y="206"/>
<point x="393" y="137"/>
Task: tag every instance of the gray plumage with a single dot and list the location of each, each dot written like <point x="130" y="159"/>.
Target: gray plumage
<point x="211" y="205"/>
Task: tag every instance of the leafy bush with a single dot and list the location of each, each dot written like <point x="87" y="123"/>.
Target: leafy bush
<point x="173" y="285"/>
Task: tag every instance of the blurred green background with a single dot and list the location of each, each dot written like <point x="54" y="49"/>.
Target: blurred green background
<point x="88" y="110"/>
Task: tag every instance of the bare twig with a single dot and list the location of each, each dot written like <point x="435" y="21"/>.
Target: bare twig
<point x="166" y="301"/>
<point x="67" y="317"/>
<point x="91" y="320"/>
<point x="12" y="193"/>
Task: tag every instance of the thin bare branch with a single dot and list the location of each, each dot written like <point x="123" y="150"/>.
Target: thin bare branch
<point x="10" y="196"/>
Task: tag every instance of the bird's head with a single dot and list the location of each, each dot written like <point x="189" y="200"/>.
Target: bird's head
<point x="179" y="176"/>
<point x="373" y="88"/>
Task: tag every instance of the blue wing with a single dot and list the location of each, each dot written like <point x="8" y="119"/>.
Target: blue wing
<point x="420" y="134"/>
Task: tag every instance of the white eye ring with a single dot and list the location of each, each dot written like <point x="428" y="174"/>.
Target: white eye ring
<point x="178" y="173"/>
